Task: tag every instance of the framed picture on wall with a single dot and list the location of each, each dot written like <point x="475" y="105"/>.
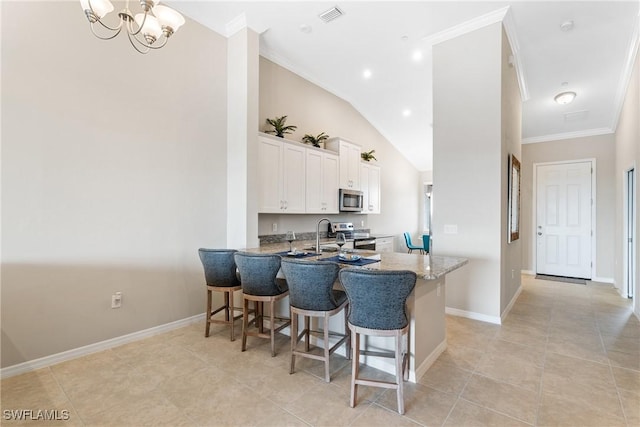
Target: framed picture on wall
<point x="514" y="198"/>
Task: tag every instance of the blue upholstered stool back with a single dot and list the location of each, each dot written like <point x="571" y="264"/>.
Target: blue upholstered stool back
<point x="219" y="267"/>
<point x="258" y="274"/>
<point x="377" y="299"/>
<point x="311" y="284"/>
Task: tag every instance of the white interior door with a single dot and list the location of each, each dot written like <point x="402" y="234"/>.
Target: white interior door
<point x="563" y="219"/>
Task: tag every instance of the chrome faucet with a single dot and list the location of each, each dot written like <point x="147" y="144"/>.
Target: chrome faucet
<point x="318" y="250"/>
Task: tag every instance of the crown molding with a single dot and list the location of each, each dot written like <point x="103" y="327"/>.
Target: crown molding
<point x="236" y="24"/>
<point x="467" y="26"/>
<point x="568" y="135"/>
<point x="510" y="29"/>
<point x="627" y="71"/>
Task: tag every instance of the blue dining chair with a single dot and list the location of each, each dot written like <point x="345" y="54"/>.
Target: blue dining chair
<point x="410" y="245"/>
<point x="426" y="239"/>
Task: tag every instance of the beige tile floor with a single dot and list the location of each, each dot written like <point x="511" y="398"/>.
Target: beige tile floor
<point x="567" y="355"/>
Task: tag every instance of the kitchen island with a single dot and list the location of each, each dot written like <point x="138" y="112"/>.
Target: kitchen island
<point x="426" y="305"/>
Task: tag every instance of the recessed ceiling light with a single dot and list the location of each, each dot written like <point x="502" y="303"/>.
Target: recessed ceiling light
<point x="565" y="97"/>
<point x="566" y="26"/>
<point x="305" y="28"/>
<point x="366" y="73"/>
<point x="417" y="55"/>
<point x="406" y="112"/>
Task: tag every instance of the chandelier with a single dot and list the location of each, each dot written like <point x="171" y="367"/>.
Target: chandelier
<point x="147" y="30"/>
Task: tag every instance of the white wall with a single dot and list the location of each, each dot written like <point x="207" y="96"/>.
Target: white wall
<point x="474" y="84"/>
<point x="468" y="166"/>
<point x="602" y="149"/>
<point x="113" y="174"/>
<point x="627" y="143"/>
<point x="314" y="110"/>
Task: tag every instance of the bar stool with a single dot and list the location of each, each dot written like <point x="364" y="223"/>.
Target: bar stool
<point x="259" y="284"/>
<point x="377" y="307"/>
<point x="220" y="275"/>
<point x="311" y="294"/>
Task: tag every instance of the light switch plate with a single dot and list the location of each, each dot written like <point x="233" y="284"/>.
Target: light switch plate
<point x="450" y="229"/>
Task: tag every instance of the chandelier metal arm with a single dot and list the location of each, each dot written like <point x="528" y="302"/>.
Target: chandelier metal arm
<point x="117" y="31"/>
<point x="137" y="44"/>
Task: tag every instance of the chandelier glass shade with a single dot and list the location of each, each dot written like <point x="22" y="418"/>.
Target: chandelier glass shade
<point x="149" y="29"/>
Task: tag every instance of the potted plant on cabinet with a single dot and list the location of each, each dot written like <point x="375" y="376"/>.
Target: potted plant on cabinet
<point x="367" y="156"/>
<point x="279" y="127"/>
<point x="315" y="140"/>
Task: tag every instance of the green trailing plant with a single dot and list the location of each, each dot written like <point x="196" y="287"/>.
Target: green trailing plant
<point x="315" y="140"/>
<point x="367" y="156"/>
<point x="279" y="127"/>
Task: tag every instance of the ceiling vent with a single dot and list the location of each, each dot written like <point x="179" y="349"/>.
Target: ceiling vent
<point x="576" y="116"/>
<point x="331" y="14"/>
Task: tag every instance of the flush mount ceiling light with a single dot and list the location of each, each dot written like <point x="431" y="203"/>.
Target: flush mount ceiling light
<point x="366" y="73"/>
<point x="566" y="26"/>
<point x="148" y="30"/>
<point x="565" y="97"/>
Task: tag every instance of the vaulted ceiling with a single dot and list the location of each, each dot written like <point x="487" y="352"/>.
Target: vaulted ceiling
<point x="584" y="46"/>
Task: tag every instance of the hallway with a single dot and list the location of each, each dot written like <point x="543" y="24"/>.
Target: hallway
<point x="567" y="355"/>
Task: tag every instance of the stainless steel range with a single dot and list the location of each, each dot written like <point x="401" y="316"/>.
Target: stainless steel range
<point x="360" y="240"/>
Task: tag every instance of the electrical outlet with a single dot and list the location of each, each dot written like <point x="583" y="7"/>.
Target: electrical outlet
<point x="116" y="300"/>
<point x="274" y="227"/>
<point x="362" y="223"/>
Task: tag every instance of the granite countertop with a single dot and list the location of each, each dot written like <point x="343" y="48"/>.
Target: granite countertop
<point x="428" y="267"/>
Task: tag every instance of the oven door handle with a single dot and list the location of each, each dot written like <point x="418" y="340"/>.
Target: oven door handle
<point x="364" y="242"/>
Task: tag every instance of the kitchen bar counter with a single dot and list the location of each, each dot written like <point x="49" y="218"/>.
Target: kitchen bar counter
<point x="426" y="304"/>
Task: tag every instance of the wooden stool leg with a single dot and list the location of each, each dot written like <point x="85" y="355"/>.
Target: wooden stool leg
<point x="347" y="331"/>
<point x="226" y="305"/>
<point x="355" y="367"/>
<point x="399" y="374"/>
<point x="294" y="338"/>
<point x="272" y="318"/>
<point x="306" y="337"/>
<point x="207" y="320"/>
<point x="327" y="347"/>
<point x="230" y="308"/>
<point x="245" y="322"/>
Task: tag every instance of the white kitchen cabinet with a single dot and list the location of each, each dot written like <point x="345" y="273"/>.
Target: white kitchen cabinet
<point x="282" y="176"/>
<point x="384" y="244"/>
<point x="349" y="161"/>
<point x="370" y="187"/>
<point x="322" y="174"/>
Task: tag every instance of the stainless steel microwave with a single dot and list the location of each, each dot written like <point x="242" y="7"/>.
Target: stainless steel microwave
<point x="350" y="200"/>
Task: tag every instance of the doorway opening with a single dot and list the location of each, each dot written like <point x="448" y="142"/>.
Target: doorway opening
<point x="630" y="231"/>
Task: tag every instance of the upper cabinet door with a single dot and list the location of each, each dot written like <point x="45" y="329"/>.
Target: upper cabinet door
<point x="330" y="182"/>
<point x="282" y="176"/>
<point x="349" y="162"/>
<point x="322" y="182"/>
<point x="370" y="187"/>
<point x="270" y="176"/>
<point x="293" y="182"/>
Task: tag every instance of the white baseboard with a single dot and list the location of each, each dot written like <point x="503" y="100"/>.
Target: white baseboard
<point x="473" y="315"/>
<point x="603" y="280"/>
<point x="506" y="311"/>
<point x="43" y="362"/>
<point x="528" y="272"/>
<point x="430" y="360"/>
